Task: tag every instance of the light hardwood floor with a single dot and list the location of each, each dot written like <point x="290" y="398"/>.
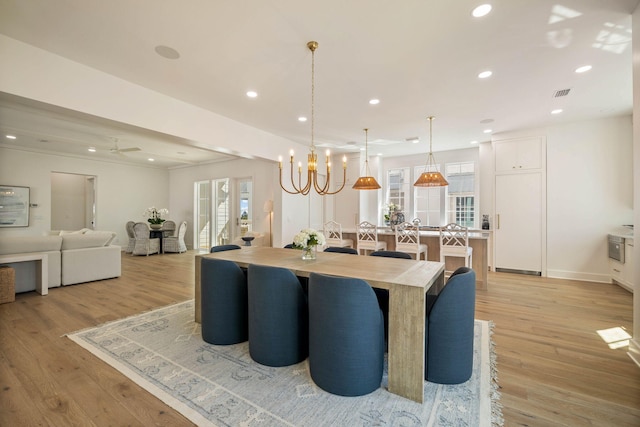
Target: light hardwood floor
<point x="554" y="369"/>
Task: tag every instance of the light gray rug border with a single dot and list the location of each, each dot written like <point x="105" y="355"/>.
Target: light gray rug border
<point x="490" y="410"/>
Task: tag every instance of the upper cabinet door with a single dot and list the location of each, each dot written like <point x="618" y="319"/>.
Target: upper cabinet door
<point x="518" y="155"/>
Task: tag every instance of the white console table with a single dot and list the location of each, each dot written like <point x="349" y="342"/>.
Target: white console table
<point x="42" y="268"/>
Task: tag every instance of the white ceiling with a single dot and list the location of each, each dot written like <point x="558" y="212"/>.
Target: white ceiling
<point x="419" y="57"/>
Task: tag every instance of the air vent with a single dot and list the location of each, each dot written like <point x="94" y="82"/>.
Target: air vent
<point x="561" y="92"/>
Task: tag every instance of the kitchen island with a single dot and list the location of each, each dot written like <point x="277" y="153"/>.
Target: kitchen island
<point x="478" y="240"/>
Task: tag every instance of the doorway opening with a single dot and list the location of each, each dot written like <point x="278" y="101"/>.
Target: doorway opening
<point x="73" y="201"/>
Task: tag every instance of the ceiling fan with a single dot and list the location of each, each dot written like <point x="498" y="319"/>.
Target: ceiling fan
<point x="116" y="150"/>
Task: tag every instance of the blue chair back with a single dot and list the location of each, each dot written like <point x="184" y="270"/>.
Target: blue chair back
<point x="346" y="335"/>
<point x="278" y="317"/>
<point x="221" y="248"/>
<point x="289" y="246"/>
<point x="391" y="254"/>
<point x="223" y="302"/>
<point x="449" y="353"/>
<point x="341" y="250"/>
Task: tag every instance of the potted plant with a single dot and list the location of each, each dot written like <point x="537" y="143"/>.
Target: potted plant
<point x="154" y="217"/>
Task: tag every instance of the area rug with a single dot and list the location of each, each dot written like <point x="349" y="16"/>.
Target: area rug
<point x="163" y="352"/>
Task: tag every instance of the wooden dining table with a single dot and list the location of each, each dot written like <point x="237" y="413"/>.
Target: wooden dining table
<point x="408" y="282"/>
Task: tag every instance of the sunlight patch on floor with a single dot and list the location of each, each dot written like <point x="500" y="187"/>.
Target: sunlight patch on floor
<point x="615" y="337"/>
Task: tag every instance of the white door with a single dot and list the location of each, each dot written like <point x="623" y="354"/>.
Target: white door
<point x="519" y="223"/>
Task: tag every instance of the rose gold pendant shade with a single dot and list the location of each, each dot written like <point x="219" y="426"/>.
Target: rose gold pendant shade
<point x="366" y="182"/>
<point x="431" y="177"/>
<point x="312" y="157"/>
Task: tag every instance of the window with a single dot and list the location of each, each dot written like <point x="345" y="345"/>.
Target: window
<point x="398" y="185"/>
<point x="461" y="193"/>
<point x="428" y="202"/>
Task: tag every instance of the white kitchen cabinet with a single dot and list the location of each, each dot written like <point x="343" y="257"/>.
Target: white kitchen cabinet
<point x="518" y="155"/>
<point x="518" y="225"/>
<point x="622" y="274"/>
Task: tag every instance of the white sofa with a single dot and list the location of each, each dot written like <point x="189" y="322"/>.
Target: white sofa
<point x="73" y="257"/>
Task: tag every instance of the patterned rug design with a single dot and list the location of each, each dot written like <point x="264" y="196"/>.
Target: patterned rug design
<point x="163" y="352"/>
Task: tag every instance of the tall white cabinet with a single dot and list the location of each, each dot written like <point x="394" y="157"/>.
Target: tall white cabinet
<point x="520" y="205"/>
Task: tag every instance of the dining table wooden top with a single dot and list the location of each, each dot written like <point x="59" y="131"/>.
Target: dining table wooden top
<point x="379" y="272"/>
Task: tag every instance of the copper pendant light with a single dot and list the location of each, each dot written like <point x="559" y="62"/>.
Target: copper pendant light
<point x="431" y="177"/>
<point x="366" y="182"/>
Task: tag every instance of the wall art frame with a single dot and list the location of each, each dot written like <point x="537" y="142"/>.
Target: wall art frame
<point x="14" y="206"/>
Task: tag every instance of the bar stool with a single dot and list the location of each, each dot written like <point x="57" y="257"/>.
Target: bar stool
<point x="333" y="236"/>
<point x="454" y="242"/>
<point x="408" y="240"/>
<point x="368" y="238"/>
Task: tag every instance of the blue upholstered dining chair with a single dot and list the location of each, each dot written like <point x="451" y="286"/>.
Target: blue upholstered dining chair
<point x="336" y="249"/>
<point x="223" y="302"/>
<point x="391" y="254"/>
<point x="289" y="246"/>
<point x="221" y="248"/>
<point x="346" y="335"/>
<point x="449" y="355"/>
<point x="278" y="316"/>
<point x="383" y="294"/>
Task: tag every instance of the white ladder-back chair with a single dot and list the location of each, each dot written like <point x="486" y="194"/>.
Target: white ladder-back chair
<point x="333" y="236"/>
<point x="408" y="240"/>
<point x="454" y="241"/>
<point x="368" y="238"/>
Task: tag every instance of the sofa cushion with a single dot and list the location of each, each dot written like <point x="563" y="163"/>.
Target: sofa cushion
<point x="110" y="234"/>
<point x="81" y="231"/>
<point x="27" y="244"/>
<point x="79" y="241"/>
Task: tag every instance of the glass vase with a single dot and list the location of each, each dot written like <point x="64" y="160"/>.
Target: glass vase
<point x="309" y="253"/>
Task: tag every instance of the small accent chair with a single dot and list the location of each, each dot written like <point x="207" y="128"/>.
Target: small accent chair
<point x="449" y="347"/>
<point x="223" y="302"/>
<point x="176" y="243"/>
<point x="278" y="316"/>
<point x="143" y="244"/>
<point x="346" y="335"/>
<point x="333" y="236"/>
<point x="341" y="250"/>
<point x="408" y="240"/>
<point x="221" y="248"/>
<point x="132" y="237"/>
<point x="454" y="241"/>
<point x="383" y="294"/>
<point x="368" y="238"/>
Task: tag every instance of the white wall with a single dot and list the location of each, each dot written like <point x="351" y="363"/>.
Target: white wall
<point x="123" y="192"/>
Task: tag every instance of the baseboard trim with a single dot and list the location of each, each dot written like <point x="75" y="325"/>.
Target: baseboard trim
<point x="576" y="275"/>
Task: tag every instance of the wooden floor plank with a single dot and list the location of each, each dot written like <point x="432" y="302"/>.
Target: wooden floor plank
<point x="553" y="368"/>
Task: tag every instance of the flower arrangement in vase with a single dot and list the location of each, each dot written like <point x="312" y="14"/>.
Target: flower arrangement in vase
<point x="154" y="216"/>
<point x="307" y="240"/>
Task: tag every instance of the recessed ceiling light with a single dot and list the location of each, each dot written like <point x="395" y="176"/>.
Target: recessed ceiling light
<point x="374" y="101"/>
<point x="302" y="119"/>
<point x="473" y="142"/>
<point x="583" y="69"/>
<point x="11" y="137"/>
<point x="487" y="131"/>
<point x="481" y="10"/>
<point x="379" y="154"/>
<point x="167" y="52"/>
<point x="91" y="149"/>
<point x="556" y="111"/>
<point x="252" y="94"/>
<point x="361" y="148"/>
<point x="151" y="160"/>
<point x="485" y="74"/>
